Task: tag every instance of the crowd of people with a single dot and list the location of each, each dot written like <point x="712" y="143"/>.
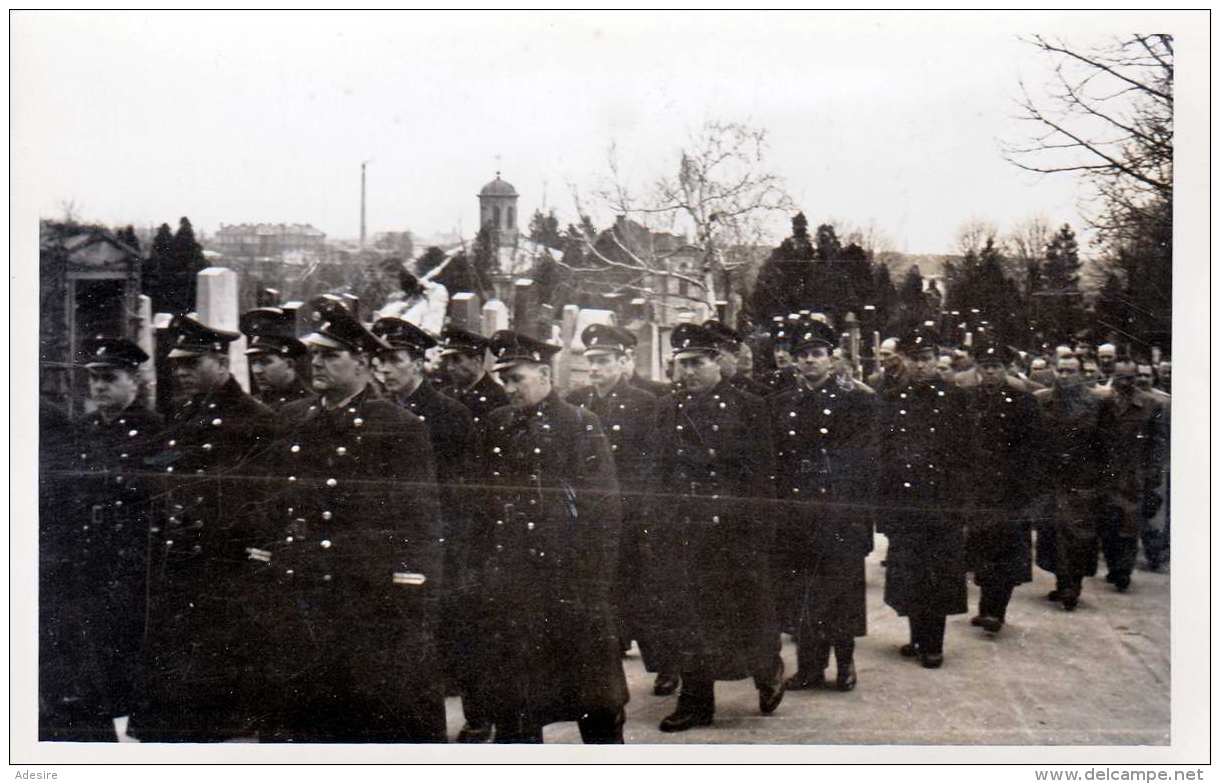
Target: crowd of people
<point x="330" y="558"/>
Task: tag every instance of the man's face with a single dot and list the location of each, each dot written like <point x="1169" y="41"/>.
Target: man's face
<point x="1143" y="377"/>
<point x="922" y="365"/>
<point x="814" y="363"/>
<point x="1163" y="370"/>
<point x="783" y="357"/>
<point x="889" y="358"/>
<point x="1089" y="369"/>
<point x="527" y="384"/>
<point x="1105" y="362"/>
<point x="200" y="374"/>
<point x="112" y="389"/>
<point x="462" y="369"/>
<point x="991" y="372"/>
<point x="399" y="371"/>
<point x="605" y="370"/>
<point x="1124" y="377"/>
<point x="1067" y="372"/>
<point x="698" y="372"/>
<point x="944" y="367"/>
<point x="272" y="371"/>
<point x="727" y="359"/>
<point x="335" y="369"/>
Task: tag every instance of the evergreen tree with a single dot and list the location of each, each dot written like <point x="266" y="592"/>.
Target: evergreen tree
<point x="158" y="269"/>
<point x="912" y="306"/>
<point x="544" y="229"/>
<point x="783" y="283"/>
<point x="828" y="245"/>
<point x="485" y="260"/>
<point x="1059" y="300"/>
<point x="128" y="237"/>
<point x="1110" y="312"/>
<point x="885" y="298"/>
<point x="433" y="257"/>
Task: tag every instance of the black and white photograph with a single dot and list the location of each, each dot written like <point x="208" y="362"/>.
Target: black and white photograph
<point x="505" y="386"/>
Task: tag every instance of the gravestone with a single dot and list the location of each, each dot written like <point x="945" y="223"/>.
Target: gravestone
<point x="216" y="304"/>
<point x="495" y="317"/>
<point x="464" y="311"/>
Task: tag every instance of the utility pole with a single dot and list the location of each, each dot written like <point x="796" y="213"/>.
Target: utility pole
<point x="363" y="164"/>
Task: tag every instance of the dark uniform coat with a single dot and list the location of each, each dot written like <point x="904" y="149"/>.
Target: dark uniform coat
<point x="200" y="646"/>
<point x="95" y="558"/>
<point x="826" y="480"/>
<point x="715" y="532"/>
<point x="1004" y="423"/>
<point x="1073" y="457"/>
<point x="548" y="564"/>
<point x="452" y="433"/>
<point x="352" y="563"/>
<point x="654" y="388"/>
<point x="1136" y="451"/>
<point x="746" y="384"/>
<point x="627" y="415"/>
<point x="482" y="398"/>
<point x="924" y="438"/>
<point x="783" y="379"/>
<point x="275" y="399"/>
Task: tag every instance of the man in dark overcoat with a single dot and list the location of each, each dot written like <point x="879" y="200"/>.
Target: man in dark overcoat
<point x="454" y="447"/>
<point x="825" y="436"/>
<point x="549" y="557"/>
<point x="94" y="553"/>
<point x="1004" y="423"/>
<point x="274" y="353"/>
<point x="1136" y="446"/>
<point x="924" y="434"/>
<point x="351" y="561"/>
<point x="627" y="414"/>
<point x="462" y="359"/>
<point x="1073" y="456"/>
<point x="714" y="466"/>
<point x="200" y="645"/>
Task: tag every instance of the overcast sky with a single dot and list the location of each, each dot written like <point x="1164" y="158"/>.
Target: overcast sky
<point x="894" y="119"/>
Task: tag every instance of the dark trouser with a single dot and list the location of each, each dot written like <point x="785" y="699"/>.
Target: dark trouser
<point x="596" y="727"/>
<point x="812" y="655"/>
<point x="1119" y="550"/>
<point x="928" y="632"/>
<point x="994" y="598"/>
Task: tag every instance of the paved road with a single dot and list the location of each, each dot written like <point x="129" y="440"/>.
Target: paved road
<point x="1098" y="676"/>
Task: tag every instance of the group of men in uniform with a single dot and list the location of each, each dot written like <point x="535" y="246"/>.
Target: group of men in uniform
<point x="325" y="561"/>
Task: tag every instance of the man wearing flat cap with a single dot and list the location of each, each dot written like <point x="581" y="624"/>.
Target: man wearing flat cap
<point x="462" y="360"/>
<point x="275" y="354"/>
<point x="548" y="557"/>
<point x="351" y="556"/>
<point x="1002" y="470"/>
<point x="728" y="344"/>
<point x="714" y="469"/>
<point x="454" y="447"/>
<point x="826" y="445"/>
<point x="200" y="647"/>
<point x="626" y="414"/>
<point x="94" y="553"/>
<point x="924" y="436"/>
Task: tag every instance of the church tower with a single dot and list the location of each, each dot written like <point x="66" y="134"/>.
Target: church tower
<point x="498" y="207"/>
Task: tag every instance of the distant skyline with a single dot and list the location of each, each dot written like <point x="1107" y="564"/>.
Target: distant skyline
<point x="893" y="119"/>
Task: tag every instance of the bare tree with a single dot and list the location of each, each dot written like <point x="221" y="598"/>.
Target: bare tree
<point x="1108" y="116"/>
<point x="719" y="194"/>
<point x="1027" y="241"/>
<point x="972" y="235"/>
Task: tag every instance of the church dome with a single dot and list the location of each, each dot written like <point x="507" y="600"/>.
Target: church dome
<point x="498" y="187"/>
